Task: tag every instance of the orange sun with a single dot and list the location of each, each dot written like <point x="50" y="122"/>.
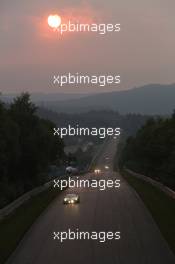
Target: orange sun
<point x="54" y="21"/>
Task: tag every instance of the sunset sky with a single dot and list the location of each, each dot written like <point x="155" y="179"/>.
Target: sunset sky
<point x="31" y="53"/>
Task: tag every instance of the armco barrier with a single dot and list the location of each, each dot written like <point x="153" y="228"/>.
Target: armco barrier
<point x="10" y="208"/>
<point x="157" y="184"/>
<point x="22" y="199"/>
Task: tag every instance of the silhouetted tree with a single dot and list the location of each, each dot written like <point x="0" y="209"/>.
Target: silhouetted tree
<point x="152" y="150"/>
<point x="27" y="148"/>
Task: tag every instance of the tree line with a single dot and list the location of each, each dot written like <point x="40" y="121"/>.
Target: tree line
<point x="129" y="123"/>
<point x="27" y="148"/>
<point x="152" y="150"/>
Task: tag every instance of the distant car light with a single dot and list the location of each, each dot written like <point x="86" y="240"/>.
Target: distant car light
<point x="97" y="171"/>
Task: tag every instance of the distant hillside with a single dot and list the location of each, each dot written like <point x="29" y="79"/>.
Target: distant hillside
<point x="129" y="123"/>
<point x="43" y="98"/>
<point x="149" y="99"/>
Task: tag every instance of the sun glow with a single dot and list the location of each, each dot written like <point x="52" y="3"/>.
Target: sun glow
<point x="54" y="21"/>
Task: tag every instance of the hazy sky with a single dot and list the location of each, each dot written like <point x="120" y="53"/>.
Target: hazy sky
<point x="31" y="53"/>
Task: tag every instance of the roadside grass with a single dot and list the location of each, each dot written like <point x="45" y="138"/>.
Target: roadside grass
<point x="13" y="227"/>
<point x="160" y="205"/>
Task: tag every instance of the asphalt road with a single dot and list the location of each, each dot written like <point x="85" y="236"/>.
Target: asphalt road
<point x="111" y="210"/>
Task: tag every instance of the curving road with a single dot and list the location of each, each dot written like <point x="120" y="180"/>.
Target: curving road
<point x="111" y="210"/>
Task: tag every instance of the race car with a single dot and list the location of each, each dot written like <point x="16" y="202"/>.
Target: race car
<point x="71" y="170"/>
<point x="71" y="199"/>
<point x="97" y="171"/>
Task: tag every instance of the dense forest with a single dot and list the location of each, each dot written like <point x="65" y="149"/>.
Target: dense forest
<point x="129" y="123"/>
<point x="152" y="150"/>
<point x="27" y="148"/>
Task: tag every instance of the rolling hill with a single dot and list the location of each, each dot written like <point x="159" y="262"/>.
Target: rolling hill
<point x="149" y="99"/>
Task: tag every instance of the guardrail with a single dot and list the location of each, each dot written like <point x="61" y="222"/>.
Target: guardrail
<point x="155" y="183"/>
<point x="10" y="208"/>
